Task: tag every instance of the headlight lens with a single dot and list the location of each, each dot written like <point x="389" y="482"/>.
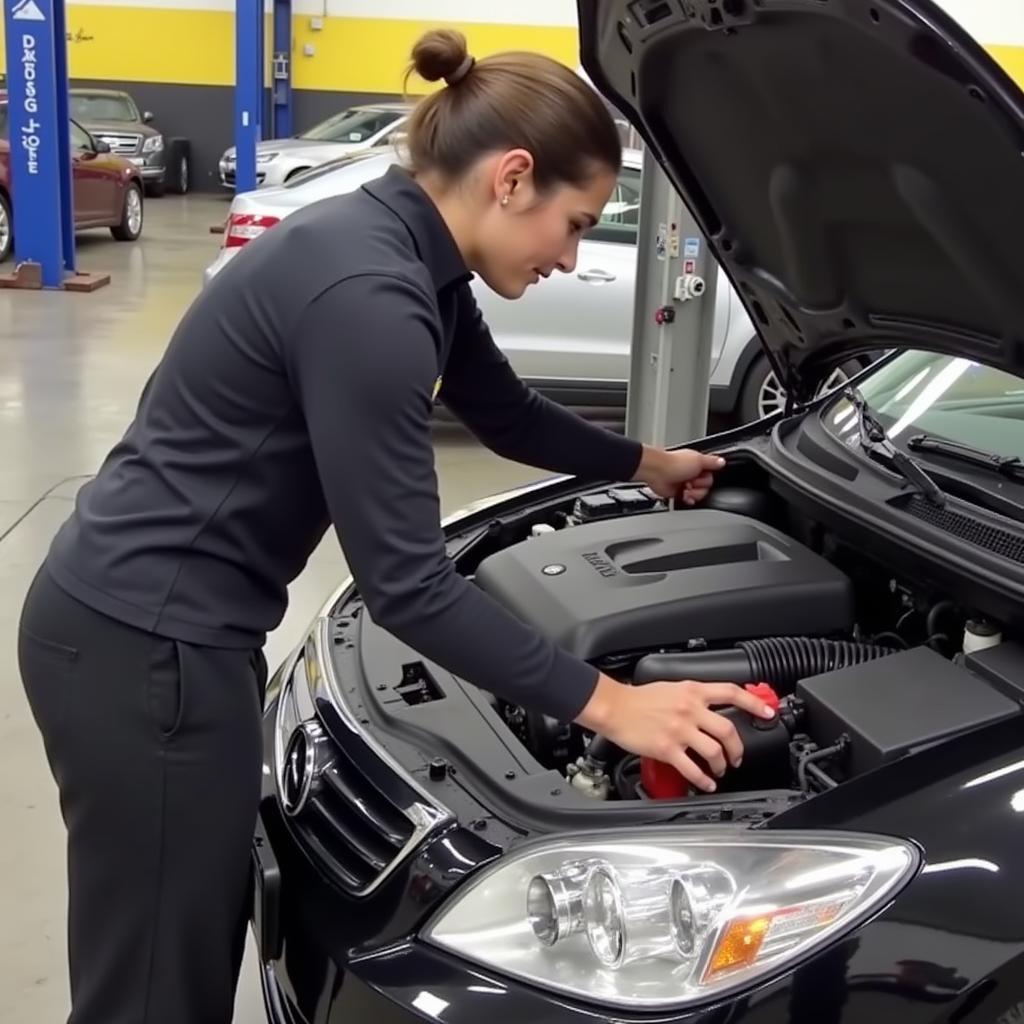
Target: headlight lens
<point x="153" y="144"/>
<point x="654" y="918"/>
<point x="265" y="158"/>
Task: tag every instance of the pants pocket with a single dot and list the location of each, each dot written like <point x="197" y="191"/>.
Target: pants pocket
<point x="46" y="672"/>
<point x="166" y="688"/>
<point x="27" y="640"/>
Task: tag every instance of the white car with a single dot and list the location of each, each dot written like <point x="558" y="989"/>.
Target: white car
<point x="570" y="336"/>
<point x="357" y="128"/>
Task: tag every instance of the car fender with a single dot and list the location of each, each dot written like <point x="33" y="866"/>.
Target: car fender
<point x="962" y="802"/>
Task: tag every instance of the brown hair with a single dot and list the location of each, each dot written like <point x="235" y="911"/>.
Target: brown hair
<point x="507" y="101"/>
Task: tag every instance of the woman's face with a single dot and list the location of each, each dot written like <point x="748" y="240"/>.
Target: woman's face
<point x="529" y="236"/>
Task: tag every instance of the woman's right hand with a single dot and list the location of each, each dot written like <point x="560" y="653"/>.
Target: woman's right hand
<point x="665" y="720"/>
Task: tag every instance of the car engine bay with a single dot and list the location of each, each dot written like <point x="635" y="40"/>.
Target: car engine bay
<point x="863" y="666"/>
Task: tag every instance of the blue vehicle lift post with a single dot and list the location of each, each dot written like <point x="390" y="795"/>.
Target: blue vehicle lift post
<point x="248" y="90"/>
<point x="281" y="110"/>
<point x="40" y="145"/>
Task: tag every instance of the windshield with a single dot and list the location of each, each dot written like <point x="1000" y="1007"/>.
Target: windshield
<point x="89" y="107"/>
<point x="356" y="125"/>
<point x="947" y="397"/>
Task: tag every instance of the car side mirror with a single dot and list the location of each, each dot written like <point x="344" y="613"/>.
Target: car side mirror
<point x="147" y="116"/>
<point x="100" y="146"/>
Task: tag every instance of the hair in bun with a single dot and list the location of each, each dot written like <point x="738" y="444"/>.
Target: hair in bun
<point x="442" y="54"/>
<point x="506" y="101"/>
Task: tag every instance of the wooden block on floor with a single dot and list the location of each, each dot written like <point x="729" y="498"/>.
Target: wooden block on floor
<point x="25" y="275"/>
<point x="29" y="277"/>
<point x="83" y="282"/>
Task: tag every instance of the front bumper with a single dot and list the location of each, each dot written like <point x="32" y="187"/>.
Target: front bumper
<point x="149" y="170"/>
<point x="227" y="178"/>
<point x="266" y="174"/>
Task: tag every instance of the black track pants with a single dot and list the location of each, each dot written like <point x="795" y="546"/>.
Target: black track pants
<point x="156" y="749"/>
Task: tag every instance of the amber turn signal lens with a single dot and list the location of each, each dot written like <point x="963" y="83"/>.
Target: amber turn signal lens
<point x="739" y="945"/>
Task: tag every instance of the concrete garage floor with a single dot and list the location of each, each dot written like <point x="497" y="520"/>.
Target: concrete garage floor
<point x="71" y="369"/>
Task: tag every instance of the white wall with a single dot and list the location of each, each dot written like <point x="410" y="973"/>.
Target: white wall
<point x="990" y="21"/>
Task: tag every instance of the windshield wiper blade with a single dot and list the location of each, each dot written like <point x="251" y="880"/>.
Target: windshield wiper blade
<point x="1006" y="465"/>
<point x="875" y="441"/>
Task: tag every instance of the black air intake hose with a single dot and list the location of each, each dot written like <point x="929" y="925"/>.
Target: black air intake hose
<point x="781" y="661"/>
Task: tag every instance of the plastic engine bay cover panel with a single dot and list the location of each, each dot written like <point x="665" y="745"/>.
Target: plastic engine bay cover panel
<point x="666" y="578"/>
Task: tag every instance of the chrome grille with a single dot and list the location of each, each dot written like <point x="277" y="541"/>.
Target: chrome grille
<point x="351" y="827"/>
<point x="121" y="143"/>
<point x="357" y="814"/>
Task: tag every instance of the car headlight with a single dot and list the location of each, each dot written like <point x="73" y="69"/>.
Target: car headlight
<point x="265" y="158"/>
<point x="656" y="918"/>
<point x="153" y="144"/>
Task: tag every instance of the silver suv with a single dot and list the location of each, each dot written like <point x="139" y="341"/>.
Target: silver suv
<point x="569" y="336"/>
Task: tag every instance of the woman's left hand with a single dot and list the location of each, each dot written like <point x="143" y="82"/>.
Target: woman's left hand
<point x="683" y="474"/>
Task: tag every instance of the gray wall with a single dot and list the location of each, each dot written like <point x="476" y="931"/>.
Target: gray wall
<point x="204" y="114"/>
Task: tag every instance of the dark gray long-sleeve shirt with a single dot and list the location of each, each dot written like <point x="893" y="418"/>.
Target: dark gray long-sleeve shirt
<point x="298" y="391"/>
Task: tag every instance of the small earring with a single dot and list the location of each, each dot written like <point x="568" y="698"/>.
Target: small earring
<point x="504" y="200"/>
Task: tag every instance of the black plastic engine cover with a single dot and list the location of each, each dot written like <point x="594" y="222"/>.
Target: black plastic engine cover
<point x="666" y="578"/>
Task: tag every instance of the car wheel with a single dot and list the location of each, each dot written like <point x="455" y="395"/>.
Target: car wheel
<point x="182" y="175"/>
<point x="131" y="216"/>
<point x="6" y="228"/>
<point x="763" y="393"/>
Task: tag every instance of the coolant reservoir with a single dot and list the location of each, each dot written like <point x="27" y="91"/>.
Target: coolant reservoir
<point x="980" y="636"/>
<point x="765" y="746"/>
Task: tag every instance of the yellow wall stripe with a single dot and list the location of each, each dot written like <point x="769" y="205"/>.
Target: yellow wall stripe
<point x="370" y="54"/>
<point x="196" y="47"/>
<point x="1012" y="60"/>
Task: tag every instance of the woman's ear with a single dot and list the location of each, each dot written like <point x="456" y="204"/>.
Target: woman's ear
<point x="513" y="177"/>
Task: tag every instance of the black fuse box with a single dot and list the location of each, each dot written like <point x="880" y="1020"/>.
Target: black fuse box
<point x="596" y="506"/>
<point x="897" y="704"/>
<point x="634" y="499"/>
<point x="1003" y="667"/>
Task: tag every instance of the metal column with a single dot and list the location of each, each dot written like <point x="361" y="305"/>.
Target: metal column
<point x="673" y="319"/>
<point x="248" y="90"/>
<point x="281" y="108"/>
<point x="38" y="129"/>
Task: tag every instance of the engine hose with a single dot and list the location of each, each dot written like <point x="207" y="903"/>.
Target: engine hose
<point x="781" y="661"/>
<point x="627" y="777"/>
<point x="602" y="749"/>
<point x="936" y="613"/>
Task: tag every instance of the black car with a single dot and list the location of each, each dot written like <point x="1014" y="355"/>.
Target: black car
<point x="427" y="851"/>
<point x="113" y="117"/>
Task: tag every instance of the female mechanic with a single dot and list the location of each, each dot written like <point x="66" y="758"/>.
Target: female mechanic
<point x="295" y="394"/>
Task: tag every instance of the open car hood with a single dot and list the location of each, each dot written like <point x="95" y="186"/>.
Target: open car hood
<point x="856" y="165"/>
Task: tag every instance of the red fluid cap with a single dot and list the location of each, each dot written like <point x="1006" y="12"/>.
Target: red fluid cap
<point x="764" y="692"/>
<point x="661" y="781"/>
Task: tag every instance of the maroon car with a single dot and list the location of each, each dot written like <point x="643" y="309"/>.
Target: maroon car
<point x="107" y="188"/>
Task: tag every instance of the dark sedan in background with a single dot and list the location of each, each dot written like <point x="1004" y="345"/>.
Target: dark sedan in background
<point x="113" y="117"/>
<point x="108" y="190"/>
